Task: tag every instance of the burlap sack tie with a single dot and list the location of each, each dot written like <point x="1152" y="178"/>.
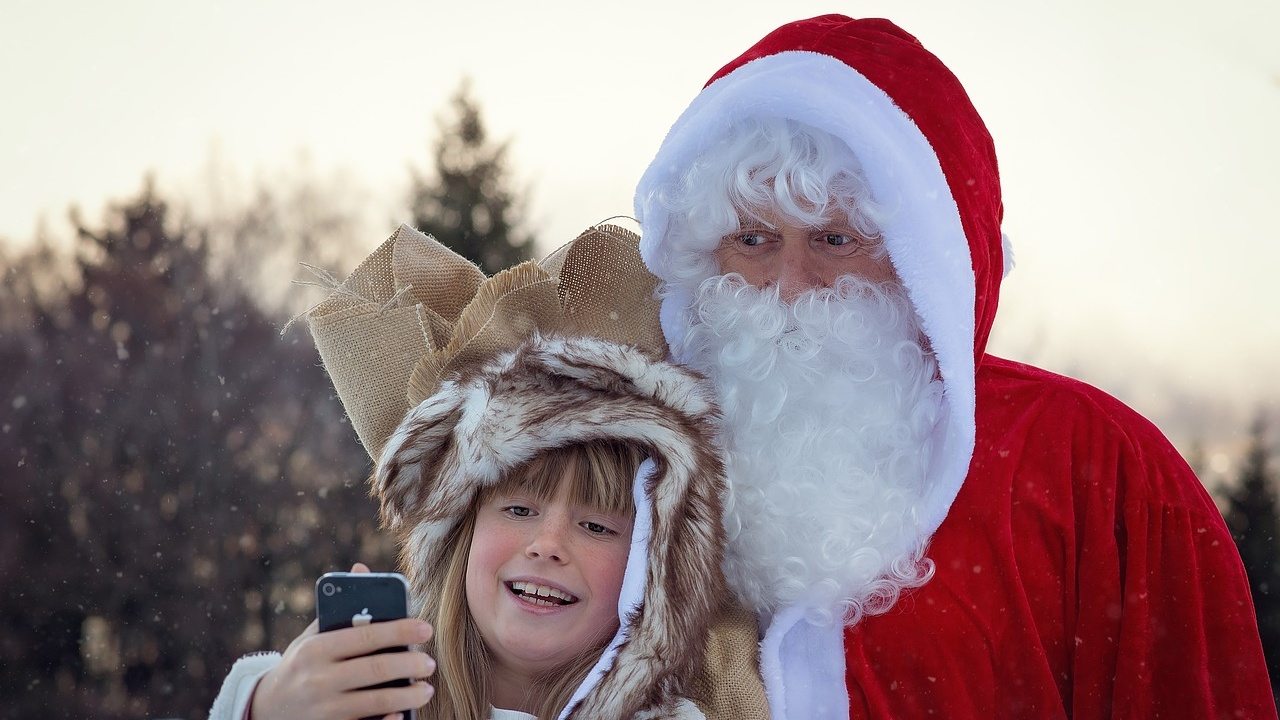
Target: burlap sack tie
<point x="415" y="311"/>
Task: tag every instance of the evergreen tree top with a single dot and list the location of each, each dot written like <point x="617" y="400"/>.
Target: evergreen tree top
<point x="468" y="203"/>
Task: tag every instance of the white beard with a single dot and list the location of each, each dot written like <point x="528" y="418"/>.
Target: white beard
<point x="829" y="406"/>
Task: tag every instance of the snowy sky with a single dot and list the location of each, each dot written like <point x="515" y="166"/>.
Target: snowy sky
<point x="1138" y="140"/>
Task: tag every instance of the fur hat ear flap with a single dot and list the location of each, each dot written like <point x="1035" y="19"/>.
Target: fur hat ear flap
<point x="416" y="457"/>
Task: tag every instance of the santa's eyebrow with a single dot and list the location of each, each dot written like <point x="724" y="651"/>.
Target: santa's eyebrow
<point x="746" y="218"/>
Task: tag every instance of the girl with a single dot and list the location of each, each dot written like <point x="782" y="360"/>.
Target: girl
<point x="563" y="577"/>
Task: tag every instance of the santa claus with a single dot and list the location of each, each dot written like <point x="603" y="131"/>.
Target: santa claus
<point x="921" y="529"/>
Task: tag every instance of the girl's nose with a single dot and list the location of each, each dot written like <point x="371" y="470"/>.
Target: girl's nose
<point x="547" y="542"/>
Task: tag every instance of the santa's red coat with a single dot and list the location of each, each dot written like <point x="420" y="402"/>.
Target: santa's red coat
<point x="1082" y="572"/>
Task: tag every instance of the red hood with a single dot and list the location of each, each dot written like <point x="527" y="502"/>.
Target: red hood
<point x="928" y="93"/>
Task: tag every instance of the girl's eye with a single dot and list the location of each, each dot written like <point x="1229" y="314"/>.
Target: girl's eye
<point x="597" y="529"/>
<point x="517" y="511"/>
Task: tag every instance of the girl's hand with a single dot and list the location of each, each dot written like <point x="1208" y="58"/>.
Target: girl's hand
<point x="321" y="673"/>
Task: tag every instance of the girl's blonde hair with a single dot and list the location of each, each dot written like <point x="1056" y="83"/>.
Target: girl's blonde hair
<point x="601" y="474"/>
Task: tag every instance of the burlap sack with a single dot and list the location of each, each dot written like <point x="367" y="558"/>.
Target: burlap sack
<point x="414" y="312"/>
<point x="729" y="687"/>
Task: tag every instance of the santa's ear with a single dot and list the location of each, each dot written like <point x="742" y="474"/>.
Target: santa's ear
<point x="410" y="463"/>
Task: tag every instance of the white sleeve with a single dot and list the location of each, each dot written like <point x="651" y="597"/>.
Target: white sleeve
<point x="233" y="699"/>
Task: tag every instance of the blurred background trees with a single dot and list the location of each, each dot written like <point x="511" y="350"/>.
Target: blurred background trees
<point x="1253" y="514"/>
<point x="176" y="473"/>
<point x="182" y="473"/>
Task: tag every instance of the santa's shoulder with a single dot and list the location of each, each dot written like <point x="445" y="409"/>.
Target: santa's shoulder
<point x="1067" y="428"/>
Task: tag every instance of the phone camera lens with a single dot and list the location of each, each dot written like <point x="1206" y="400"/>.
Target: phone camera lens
<point x="328" y="589"/>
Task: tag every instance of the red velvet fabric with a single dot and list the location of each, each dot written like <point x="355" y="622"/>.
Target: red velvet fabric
<point x="1082" y="572"/>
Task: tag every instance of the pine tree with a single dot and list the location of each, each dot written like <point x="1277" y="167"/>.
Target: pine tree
<point x="1253" y="514"/>
<point x="469" y="205"/>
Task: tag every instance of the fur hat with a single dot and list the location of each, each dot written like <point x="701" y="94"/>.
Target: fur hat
<point x="549" y="393"/>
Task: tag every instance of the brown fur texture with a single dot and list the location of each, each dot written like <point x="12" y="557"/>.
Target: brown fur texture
<point x="551" y="392"/>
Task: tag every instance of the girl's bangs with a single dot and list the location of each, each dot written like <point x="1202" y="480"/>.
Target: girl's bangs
<point x="601" y="474"/>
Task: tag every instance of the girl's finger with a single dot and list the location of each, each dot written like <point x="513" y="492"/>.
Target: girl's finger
<point x="384" y="701"/>
<point x="356" y="641"/>
<point x="383" y="667"/>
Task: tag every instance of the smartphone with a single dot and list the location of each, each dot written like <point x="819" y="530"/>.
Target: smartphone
<point x="345" y="599"/>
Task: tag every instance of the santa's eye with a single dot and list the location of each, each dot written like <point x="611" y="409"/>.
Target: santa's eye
<point x="840" y="243"/>
<point x="748" y="241"/>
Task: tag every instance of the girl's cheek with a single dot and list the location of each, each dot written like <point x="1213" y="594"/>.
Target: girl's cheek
<point x="491" y="547"/>
<point x="617" y="567"/>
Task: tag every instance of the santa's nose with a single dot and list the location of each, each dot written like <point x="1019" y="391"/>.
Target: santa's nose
<point x="796" y="271"/>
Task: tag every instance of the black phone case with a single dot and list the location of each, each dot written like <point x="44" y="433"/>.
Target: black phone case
<point x="341" y="596"/>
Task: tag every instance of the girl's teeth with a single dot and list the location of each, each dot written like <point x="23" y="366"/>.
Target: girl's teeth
<point x="541" y="594"/>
